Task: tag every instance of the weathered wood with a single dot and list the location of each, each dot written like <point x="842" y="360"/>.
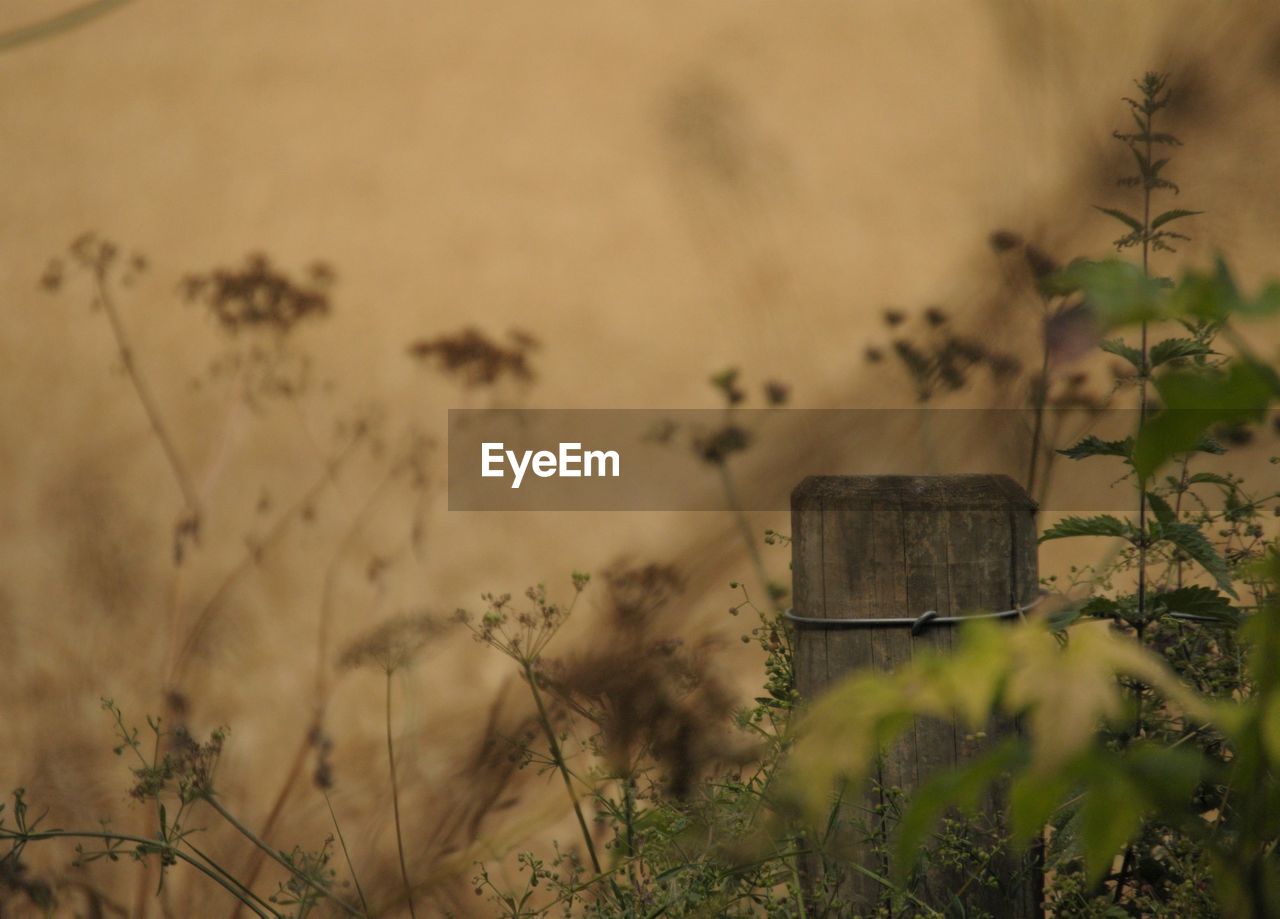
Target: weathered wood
<point x="894" y="547"/>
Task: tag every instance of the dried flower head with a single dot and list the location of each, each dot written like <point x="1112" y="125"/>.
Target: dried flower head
<point x="476" y="359"/>
<point x="521" y="634"/>
<point x="259" y="296"/>
<point x="719" y="445"/>
<point x="393" y="644"/>
<point x="635" y="593"/>
<point x="727" y="382"/>
<point x="652" y="698"/>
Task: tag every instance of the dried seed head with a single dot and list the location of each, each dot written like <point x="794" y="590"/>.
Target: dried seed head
<point x="393" y="644"/>
<point x="258" y="296"/>
<point x="476" y="359"/>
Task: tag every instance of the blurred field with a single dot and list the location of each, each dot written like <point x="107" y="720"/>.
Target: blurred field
<point x="654" y="191"/>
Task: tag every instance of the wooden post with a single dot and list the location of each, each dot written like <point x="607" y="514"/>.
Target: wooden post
<point x="870" y="547"/>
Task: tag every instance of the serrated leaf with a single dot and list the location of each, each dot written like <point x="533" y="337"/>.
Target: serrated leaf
<point x="1197" y="601"/>
<point x="1119" y="348"/>
<point x="1211" y="478"/>
<point x="1102" y="606"/>
<point x="1196" y="546"/>
<point x="1160" y="507"/>
<point x="1173" y="348"/>
<point x="1195" y="400"/>
<point x="1096" y="446"/>
<point x="1100" y="525"/>
<point x="1208" y="444"/>
<point x="1130" y="221"/>
<point x="1169" y="216"/>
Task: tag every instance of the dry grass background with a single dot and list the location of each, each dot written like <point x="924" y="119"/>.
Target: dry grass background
<point x="654" y="190"/>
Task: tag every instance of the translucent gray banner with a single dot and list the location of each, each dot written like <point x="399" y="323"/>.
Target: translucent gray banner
<point x="709" y="460"/>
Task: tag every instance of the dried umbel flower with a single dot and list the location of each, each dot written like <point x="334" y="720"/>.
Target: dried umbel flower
<point x="393" y="644"/>
<point x="322" y="744"/>
<point x="476" y="359"/>
<point x="727" y="382"/>
<point x="940" y="359"/>
<point x="186" y="768"/>
<point x="651" y="697"/>
<point x="636" y="593"/>
<point x="776" y="393"/>
<point x="259" y="296"/>
<point x="521" y="634"/>
<point x="720" y="444"/>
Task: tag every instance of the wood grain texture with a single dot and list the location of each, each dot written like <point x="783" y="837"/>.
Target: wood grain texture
<point x="895" y="547"/>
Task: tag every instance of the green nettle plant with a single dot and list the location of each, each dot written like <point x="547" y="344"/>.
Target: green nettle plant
<point x="1153" y="708"/>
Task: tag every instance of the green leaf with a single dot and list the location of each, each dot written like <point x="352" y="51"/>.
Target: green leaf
<point x="1197" y="601"/>
<point x="959" y="788"/>
<point x="1132" y="222"/>
<point x="1170" y="216"/>
<point x="1168" y="775"/>
<point x="1160" y="507"/>
<point x="1104" y="607"/>
<point x="1173" y="348"/>
<point x="1117" y="291"/>
<point x="1096" y="446"/>
<point x="1193" y="543"/>
<point x="1269" y="728"/>
<point x="1215" y="297"/>
<point x="1101" y="525"/>
<point x="1110" y="815"/>
<point x="1061" y="619"/>
<point x="1119" y="348"/>
<point x="1197" y="399"/>
<point x="1211" y="478"/>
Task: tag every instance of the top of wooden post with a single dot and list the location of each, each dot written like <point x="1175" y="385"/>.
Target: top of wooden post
<point x="941" y="491"/>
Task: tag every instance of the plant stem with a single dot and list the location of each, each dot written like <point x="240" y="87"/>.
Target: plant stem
<point x="1144" y="375"/>
<point x="146" y="396"/>
<point x="251" y="559"/>
<point x="272" y="853"/>
<point x="1041" y="399"/>
<point x="557" y="757"/>
<point x="277" y="808"/>
<point x="364" y="904"/>
<point x="395" y="804"/>
<point x="744" y="526"/>
<point x="149" y="845"/>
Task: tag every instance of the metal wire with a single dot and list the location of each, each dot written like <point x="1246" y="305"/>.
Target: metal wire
<point x="932" y="617"/>
<point x="917" y="625"/>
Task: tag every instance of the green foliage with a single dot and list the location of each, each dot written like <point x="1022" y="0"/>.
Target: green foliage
<point x="1149" y="762"/>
